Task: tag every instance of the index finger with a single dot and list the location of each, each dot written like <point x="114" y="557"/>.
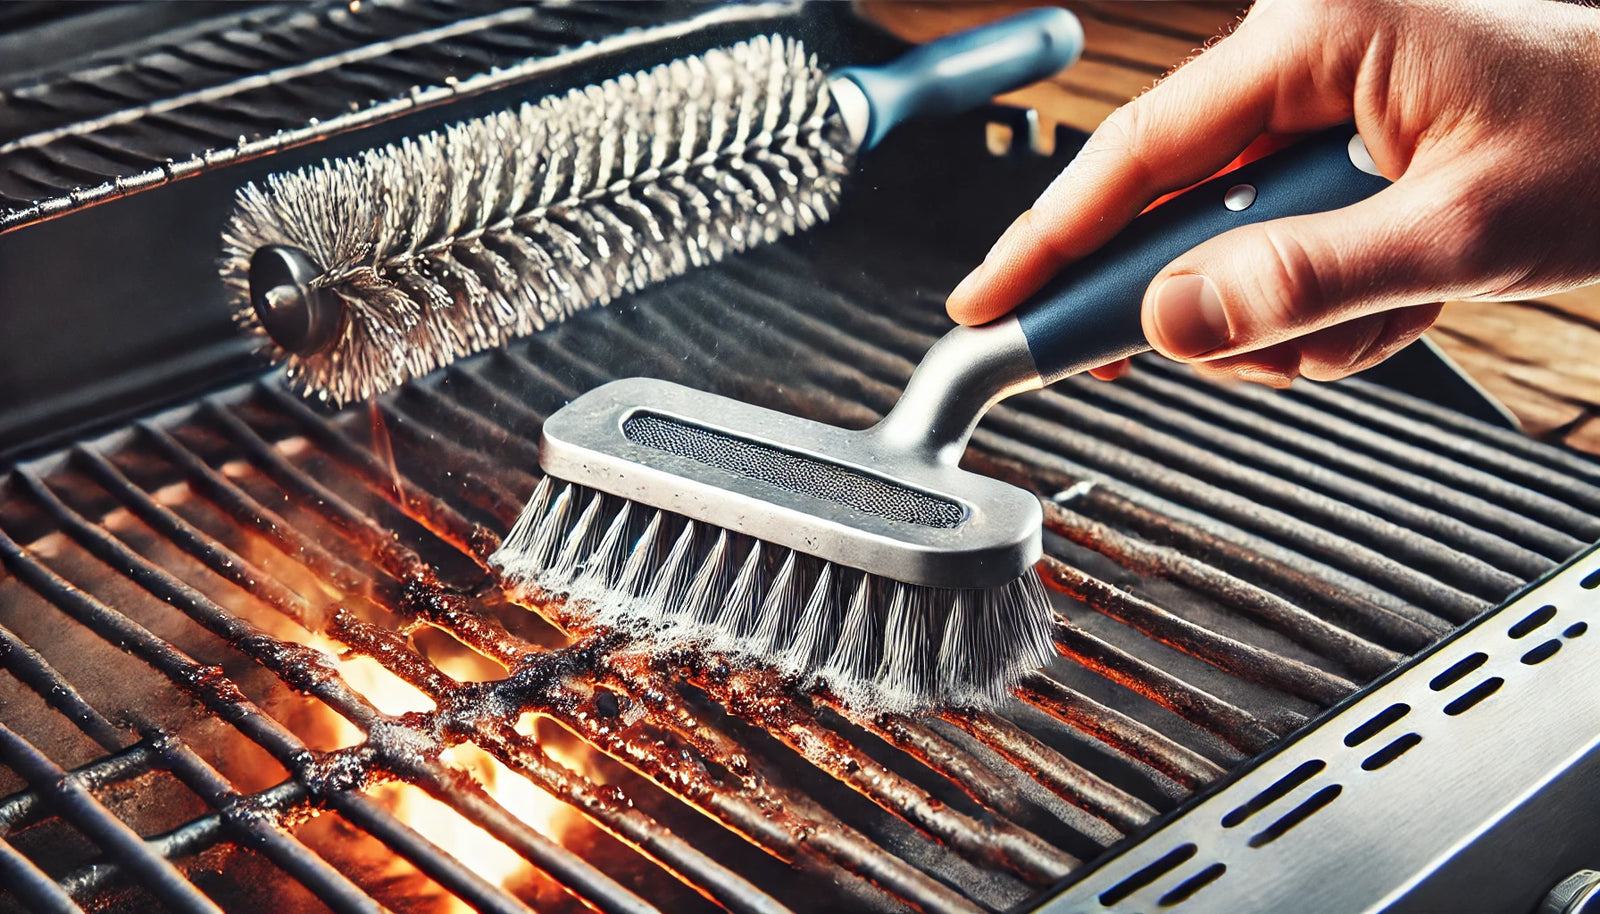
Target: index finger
<point x="1276" y="72"/>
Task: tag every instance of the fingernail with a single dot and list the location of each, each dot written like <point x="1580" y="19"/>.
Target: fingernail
<point x="1188" y="315"/>
<point x="1264" y="376"/>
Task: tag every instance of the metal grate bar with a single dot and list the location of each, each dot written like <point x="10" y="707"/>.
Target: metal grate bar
<point x="1244" y="661"/>
<point x="80" y="807"/>
<point x="32" y="670"/>
<point x="246" y="821"/>
<point x="221" y="697"/>
<point x="426" y="856"/>
<point x="1327" y="639"/>
<point x="1574" y="491"/>
<point x="1121" y="732"/>
<point x="1068" y="781"/>
<point x="997" y="843"/>
<point x="30" y="885"/>
<point x="223" y="562"/>
<point x="1237" y="727"/>
<point x="26" y="805"/>
<point x="422" y="506"/>
<point x="1370" y="614"/>
<point x="1351" y="601"/>
<point x="190" y="838"/>
<point x="1522" y="523"/>
<point x="252" y="515"/>
<point x="399" y="561"/>
<point x="922" y="743"/>
<point x="1239" y="458"/>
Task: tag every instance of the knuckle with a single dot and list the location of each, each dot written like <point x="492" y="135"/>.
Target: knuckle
<point x="1289" y="282"/>
<point x="1122" y="134"/>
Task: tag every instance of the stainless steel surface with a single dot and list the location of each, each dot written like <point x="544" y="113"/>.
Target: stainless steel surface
<point x="1432" y="792"/>
<point x="996" y="542"/>
<point x="966" y="372"/>
<point x="1239" y="197"/>
<point x="1576" y="894"/>
<point x="1361" y="158"/>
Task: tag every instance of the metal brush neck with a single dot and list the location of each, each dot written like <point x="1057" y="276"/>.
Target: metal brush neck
<point x="967" y="371"/>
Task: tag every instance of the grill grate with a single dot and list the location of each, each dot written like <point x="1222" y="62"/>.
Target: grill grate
<point x="242" y="86"/>
<point x="1217" y="590"/>
<point x="195" y="610"/>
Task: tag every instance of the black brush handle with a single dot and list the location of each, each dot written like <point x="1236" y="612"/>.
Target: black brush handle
<point x="1089" y="314"/>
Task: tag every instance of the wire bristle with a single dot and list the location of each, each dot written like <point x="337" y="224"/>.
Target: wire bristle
<point x="464" y="238"/>
<point x="880" y="645"/>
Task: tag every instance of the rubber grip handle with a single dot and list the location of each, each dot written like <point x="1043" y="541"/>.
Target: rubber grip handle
<point x="1089" y="314"/>
<point x="962" y="71"/>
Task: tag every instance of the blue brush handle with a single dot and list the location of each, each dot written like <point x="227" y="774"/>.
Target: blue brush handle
<point x="1089" y="314"/>
<point x="962" y="71"/>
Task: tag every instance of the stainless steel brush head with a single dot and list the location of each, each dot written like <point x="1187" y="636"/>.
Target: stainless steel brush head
<point x="845" y="496"/>
<point x="899" y="582"/>
<point x="402" y="259"/>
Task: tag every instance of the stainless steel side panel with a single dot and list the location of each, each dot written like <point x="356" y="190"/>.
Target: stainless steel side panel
<point x="1489" y="803"/>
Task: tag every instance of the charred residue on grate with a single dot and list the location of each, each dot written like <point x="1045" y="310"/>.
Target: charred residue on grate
<point x="267" y="566"/>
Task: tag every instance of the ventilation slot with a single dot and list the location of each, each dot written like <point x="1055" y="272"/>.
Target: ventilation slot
<point x="1591" y="581"/>
<point x="1455" y="674"/>
<point x="1576" y="629"/>
<point x="1533" y="620"/>
<point x="1542" y="653"/>
<point x="1390" y="752"/>
<point x="1313" y="805"/>
<point x="1174" y="858"/>
<point x="1188" y="887"/>
<point x="1376" y="725"/>
<point x="1474" y="695"/>
<point x="1273" y="794"/>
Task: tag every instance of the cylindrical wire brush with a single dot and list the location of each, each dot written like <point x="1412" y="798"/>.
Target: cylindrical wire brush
<point x="363" y="272"/>
<point x="866" y="561"/>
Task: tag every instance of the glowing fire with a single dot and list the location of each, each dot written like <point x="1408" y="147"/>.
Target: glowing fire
<point x="325" y="729"/>
<point x="436" y="821"/>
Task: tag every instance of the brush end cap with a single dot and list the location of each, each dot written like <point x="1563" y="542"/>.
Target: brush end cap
<point x="298" y="317"/>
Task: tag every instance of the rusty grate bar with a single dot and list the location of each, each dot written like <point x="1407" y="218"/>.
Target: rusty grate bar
<point x="207" y="684"/>
<point x="80" y="807"/>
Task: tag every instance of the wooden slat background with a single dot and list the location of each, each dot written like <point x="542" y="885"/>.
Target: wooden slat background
<point x="1541" y="358"/>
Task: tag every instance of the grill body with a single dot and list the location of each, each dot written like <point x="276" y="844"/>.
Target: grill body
<point x="196" y="604"/>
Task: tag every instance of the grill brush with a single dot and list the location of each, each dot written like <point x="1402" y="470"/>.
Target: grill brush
<point x="363" y="272"/>
<point x="865" y="561"/>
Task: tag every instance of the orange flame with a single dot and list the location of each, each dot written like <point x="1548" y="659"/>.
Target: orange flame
<point x="436" y="821"/>
<point x="325" y="729"/>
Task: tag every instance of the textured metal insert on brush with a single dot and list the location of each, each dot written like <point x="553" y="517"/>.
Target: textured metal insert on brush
<point x="793" y="472"/>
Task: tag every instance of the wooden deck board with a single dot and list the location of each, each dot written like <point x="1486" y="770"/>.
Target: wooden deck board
<point x="1541" y="358"/>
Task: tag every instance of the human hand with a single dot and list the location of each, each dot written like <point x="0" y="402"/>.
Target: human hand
<point x="1485" y="113"/>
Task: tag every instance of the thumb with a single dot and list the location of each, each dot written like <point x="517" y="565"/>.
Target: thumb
<point x="1263" y="284"/>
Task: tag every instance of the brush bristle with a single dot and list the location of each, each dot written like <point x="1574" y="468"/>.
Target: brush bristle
<point x="880" y="645"/>
<point x="464" y="238"/>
